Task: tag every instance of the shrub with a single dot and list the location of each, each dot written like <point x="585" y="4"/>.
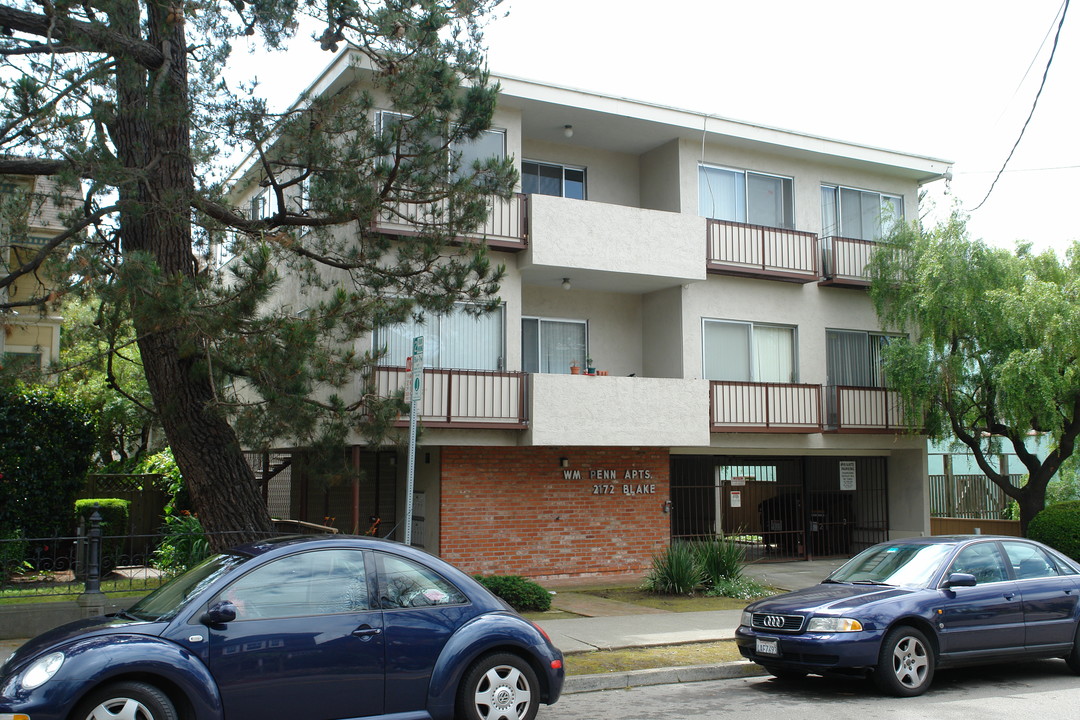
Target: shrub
<point x="184" y="545"/>
<point x="114" y="514"/>
<point x="676" y="571"/>
<point x="720" y="559"/>
<point x="46" y="441"/>
<point x="12" y="554"/>
<point x="740" y="588"/>
<point x="1059" y="527"/>
<point x="521" y="594"/>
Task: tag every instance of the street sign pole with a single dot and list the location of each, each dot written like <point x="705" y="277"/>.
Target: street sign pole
<point x="416" y="391"/>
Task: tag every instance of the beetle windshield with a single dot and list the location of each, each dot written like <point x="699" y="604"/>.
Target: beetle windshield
<point x="167" y="600"/>
<point x="893" y="564"/>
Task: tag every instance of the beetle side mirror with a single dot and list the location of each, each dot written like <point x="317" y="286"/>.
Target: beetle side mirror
<point x="961" y="580"/>
<point x="219" y="613"/>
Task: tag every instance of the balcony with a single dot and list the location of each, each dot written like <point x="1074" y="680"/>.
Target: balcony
<point x="603" y="246"/>
<point x="505" y="228"/>
<point x="614" y="411"/>
<point x="864" y="410"/>
<point x="764" y="407"/>
<point x="463" y="398"/>
<point x="759" y="251"/>
<point x="844" y="260"/>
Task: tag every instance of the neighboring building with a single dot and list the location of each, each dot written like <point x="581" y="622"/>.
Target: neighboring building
<point x="28" y="334"/>
<point x="713" y="271"/>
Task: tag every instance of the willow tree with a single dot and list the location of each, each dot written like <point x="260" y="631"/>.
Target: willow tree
<point x="128" y="96"/>
<point x="992" y="354"/>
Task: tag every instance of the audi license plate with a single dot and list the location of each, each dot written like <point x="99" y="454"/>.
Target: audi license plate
<point x="767" y="646"/>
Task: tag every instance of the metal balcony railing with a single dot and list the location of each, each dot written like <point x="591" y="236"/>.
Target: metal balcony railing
<point x="764" y="407"/>
<point x="505" y="227"/>
<point x="463" y="398"/>
<point x="844" y="260"/>
<point x="863" y="409"/>
<point x="760" y="251"/>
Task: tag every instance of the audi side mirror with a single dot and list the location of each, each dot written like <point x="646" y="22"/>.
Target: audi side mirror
<point x="961" y="580"/>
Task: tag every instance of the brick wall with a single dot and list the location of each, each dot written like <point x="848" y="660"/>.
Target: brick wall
<point x="516" y="511"/>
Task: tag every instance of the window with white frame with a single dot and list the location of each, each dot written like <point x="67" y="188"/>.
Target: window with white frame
<point x="746" y="197"/>
<point x="262" y="204"/>
<point x="459" y="340"/>
<point x="490" y="143"/>
<point x="748" y="352"/>
<point x="540" y="178"/>
<point x="854" y="358"/>
<point x="551" y="345"/>
<point x="858" y="214"/>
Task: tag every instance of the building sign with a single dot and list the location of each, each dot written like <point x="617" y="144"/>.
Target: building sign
<point x="631" y="481"/>
<point x="736" y="498"/>
<point x="847" y="475"/>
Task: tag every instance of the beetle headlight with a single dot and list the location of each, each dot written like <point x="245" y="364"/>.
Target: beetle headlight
<point x="747" y="619"/>
<point x="833" y="625"/>
<point x="41" y="670"/>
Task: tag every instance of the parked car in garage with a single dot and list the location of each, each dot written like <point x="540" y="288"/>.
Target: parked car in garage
<point x="899" y="610"/>
<point x="313" y="627"/>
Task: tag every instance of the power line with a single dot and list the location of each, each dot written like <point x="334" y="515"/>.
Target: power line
<point x="1049" y="61"/>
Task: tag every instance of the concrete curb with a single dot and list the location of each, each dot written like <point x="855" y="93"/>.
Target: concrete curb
<point x="661" y="676"/>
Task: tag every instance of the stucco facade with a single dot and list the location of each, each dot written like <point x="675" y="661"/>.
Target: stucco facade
<point x="646" y="279"/>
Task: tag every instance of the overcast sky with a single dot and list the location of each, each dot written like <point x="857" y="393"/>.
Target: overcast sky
<point x="950" y="79"/>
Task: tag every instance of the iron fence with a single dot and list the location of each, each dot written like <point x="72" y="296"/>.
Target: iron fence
<point x="89" y="562"/>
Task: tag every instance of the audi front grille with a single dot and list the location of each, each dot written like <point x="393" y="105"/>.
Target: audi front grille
<point x="772" y="622"/>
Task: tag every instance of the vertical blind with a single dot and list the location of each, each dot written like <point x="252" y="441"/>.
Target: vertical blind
<point x="457" y="340"/>
<point x="743" y="352"/>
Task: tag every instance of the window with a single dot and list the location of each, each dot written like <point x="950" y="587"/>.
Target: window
<point x="746" y="197"/>
<point x="12" y="359"/>
<point x="1028" y="561"/>
<point x="550" y="346"/>
<point x="261" y="204"/>
<point x="312" y="583"/>
<point x="458" y="339"/>
<point x="408" y="585"/>
<point x="854" y="358"/>
<point x="747" y="352"/>
<point x="858" y="214"/>
<point x="489" y="144"/>
<point x="981" y="560"/>
<point x="539" y="178"/>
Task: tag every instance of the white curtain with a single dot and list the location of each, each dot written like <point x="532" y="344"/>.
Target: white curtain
<point x="550" y="346"/>
<point x="774" y="354"/>
<point x="457" y="340"/>
<point x="848" y="358"/>
<point x="721" y="194"/>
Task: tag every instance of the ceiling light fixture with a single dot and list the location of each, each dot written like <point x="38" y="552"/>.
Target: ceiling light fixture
<point x="568" y="130"/>
<point x="566" y="283"/>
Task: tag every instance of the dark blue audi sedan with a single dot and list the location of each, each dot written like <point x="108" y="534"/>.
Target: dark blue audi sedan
<point x="898" y="610"/>
<point x="297" y="628"/>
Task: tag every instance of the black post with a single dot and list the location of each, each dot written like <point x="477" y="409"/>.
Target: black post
<point x="92" y="600"/>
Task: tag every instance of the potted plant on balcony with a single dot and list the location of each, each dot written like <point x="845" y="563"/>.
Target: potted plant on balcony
<point x="590" y="369"/>
<point x="575" y="369"/>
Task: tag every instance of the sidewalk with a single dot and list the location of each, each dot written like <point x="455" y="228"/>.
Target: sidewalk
<point x="609" y="625"/>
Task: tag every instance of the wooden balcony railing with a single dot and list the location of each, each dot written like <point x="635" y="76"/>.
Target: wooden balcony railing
<point x="505" y="227"/>
<point x="844" y="261"/>
<point x="862" y="409"/>
<point x="759" y="251"/>
<point x="463" y="398"/>
<point x="764" y="407"/>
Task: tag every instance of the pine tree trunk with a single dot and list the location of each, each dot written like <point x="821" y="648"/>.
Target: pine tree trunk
<point x="153" y="141"/>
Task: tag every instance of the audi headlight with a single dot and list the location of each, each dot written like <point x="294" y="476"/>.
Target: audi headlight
<point x="41" y="670"/>
<point x="833" y="625"/>
<point x="747" y="619"/>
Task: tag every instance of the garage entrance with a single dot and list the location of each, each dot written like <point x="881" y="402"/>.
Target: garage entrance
<point x="782" y="508"/>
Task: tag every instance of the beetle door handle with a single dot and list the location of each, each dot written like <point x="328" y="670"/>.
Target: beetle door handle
<point x="366" y="631"/>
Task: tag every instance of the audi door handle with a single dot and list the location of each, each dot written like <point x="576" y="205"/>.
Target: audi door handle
<point x="1010" y="596"/>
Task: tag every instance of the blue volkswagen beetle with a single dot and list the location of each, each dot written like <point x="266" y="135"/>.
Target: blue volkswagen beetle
<point x="317" y="628"/>
<point x="900" y="609"/>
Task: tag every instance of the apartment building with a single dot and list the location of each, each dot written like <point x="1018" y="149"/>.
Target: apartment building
<point x="31" y="215"/>
<point x="685" y="347"/>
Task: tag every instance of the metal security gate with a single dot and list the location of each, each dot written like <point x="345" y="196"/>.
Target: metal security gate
<point x="782" y="508"/>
